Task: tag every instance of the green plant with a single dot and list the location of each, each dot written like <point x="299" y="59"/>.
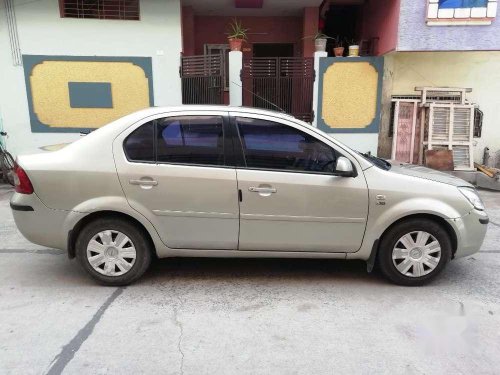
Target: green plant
<point x="236" y="30"/>
<point x="338" y="42"/>
<point x="318" y="35"/>
<point x="352" y="42"/>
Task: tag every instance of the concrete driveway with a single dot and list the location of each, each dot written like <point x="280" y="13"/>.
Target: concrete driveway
<point x="213" y="316"/>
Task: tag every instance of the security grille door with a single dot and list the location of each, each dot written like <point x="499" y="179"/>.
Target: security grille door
<point x="202" y="79"/>
<point x="406" y="138"/>
<point x="279" y="83"/>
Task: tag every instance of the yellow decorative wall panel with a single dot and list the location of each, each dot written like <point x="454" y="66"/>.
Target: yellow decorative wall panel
<point x="49" y="85"/>
<point x="51" y="80"/>
<point x="350" y="95"/>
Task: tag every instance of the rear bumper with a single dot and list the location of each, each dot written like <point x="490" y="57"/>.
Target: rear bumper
<point x="40" y="224"/>
<point x="470" y="230"/>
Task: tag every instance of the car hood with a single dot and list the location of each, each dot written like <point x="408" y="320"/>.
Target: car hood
<point x="426" y="173"/>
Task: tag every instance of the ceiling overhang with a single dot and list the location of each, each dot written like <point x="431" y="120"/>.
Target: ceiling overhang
<point x="242" y="8"/>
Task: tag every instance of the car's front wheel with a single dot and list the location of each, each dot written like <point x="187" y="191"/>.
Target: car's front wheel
<point x="113" y="251"/>
<point x="413" y="252"/>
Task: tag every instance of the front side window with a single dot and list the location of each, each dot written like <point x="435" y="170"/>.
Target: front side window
<point x="190" y="140"/>
<point x="271" y="145"/>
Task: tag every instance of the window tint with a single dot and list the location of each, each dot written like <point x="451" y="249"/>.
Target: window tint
<point x="139" y="145"/>
<point x="270" y="145"/>
<point x="190" y="140"/>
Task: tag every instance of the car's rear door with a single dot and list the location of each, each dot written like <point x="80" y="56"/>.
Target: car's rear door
<point x="291" y="199"/>
<point x="173" y="170"/>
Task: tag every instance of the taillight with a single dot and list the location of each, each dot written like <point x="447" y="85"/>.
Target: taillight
<point x="22" y="181"/>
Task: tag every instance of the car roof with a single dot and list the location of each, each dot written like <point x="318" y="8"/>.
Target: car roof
<point x="214" y="107"/>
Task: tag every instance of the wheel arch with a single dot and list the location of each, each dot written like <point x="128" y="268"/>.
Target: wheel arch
<point x="73" y="233"/>
<point x="435" y="218"/>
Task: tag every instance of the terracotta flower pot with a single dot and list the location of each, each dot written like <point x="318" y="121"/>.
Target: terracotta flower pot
<point x="235" y="44"/>
<point x="338" y="51"/>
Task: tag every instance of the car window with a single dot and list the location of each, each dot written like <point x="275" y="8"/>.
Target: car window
<point x="271" y="145"/>
<point x="190" y="140"/>
<point x="139" y="145"/>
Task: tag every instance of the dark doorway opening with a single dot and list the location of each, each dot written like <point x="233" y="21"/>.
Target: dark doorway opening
<point x="343" y="22"/>
<point x="272" y="50"/>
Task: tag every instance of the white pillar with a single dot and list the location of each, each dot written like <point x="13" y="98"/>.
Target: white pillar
<point x="317" y="56"/>
<point x="235" y="84"/>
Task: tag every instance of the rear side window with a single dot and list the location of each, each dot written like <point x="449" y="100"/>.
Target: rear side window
<point x="190" y="140"/>
<point x="272" y="145"/>
<point x="139" y="145"/>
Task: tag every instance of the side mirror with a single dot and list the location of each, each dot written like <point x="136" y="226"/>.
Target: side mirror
<point x="344" y="168"/>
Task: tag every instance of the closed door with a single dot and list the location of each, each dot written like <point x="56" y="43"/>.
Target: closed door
<point x="291" y="199"/>
<point x="173" y="170"/>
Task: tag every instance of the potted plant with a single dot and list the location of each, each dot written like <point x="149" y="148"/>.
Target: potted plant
<point x="320" y="40"/>
<point x="237" y="34"/>
<point x="338" y="46"/>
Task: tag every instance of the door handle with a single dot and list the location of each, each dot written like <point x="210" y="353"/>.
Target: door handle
<point x="262" y="190"/>
<point x="143" y="182"/>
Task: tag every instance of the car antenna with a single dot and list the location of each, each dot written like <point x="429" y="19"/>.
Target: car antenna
<point x="260" y="97"/>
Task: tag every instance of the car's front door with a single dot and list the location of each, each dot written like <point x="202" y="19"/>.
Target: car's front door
<point x="291" y="200"/>
<point x="173" y="170"/>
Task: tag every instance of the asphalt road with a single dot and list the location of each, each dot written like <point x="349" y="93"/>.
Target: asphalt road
<point x="213" y="316"/>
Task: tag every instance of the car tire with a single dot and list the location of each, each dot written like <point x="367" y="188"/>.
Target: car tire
<point x="104" y="235"/>
<point x="408" y="254"/>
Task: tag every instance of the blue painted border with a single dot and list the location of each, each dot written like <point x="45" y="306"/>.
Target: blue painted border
<point x="324" y="64"/>
<point x="30" y="61"/>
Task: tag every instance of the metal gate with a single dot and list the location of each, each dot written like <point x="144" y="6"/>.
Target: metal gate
<point x="202" y="79"/>
<point x="280" y="83"/>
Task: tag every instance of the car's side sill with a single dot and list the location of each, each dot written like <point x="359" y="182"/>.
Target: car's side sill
<point x="169" y="253"/>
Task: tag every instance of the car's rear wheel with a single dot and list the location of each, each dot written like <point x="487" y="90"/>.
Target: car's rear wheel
<point x="413" y="252"/>
<point x="113" y="251"/>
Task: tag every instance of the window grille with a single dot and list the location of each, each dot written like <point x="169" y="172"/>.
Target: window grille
<point x="100" y="9"/>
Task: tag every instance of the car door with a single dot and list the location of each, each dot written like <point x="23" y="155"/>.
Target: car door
<point x="290" y="198"/>
<point x="173" y="170"/>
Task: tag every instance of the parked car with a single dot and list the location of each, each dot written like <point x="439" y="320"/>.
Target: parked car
<point x="214" y="181"/>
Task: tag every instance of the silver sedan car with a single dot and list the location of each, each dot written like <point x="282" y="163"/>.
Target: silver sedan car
<point x="208" y="181"/>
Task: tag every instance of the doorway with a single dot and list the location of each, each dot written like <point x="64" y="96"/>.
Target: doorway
<point x="272" y="50"/>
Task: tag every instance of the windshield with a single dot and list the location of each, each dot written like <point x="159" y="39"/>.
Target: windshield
<point x="378" y="162"/>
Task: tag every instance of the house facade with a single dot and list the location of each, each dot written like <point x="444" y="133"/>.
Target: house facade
<point x="70" y="66"/>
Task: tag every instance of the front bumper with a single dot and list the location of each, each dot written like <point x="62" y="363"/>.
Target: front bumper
<point x="470" y="230"/>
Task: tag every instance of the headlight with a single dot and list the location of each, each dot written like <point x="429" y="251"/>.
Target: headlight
<point x="472" y="197"/>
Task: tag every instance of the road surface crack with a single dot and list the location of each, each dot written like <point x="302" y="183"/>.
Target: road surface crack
<point x="69" y="350"/>
<point x="178" y="323"/>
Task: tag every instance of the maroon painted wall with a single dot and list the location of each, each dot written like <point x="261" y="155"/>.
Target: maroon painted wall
<point x="380" y="18"/>
<point x="187" y="27"/>
<point x="310" y="28"/>
<point x="213" y="30"/>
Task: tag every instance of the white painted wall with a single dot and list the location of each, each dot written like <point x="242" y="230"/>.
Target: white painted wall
<point x="235" y="84"/>
<point x="362" y="142"/>
<point x="477" y="70"/>
<point x="43" y="32"/>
